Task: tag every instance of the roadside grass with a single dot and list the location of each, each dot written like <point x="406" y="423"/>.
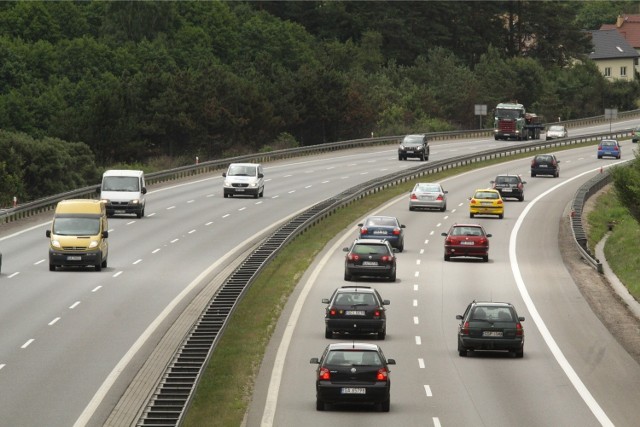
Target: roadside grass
<point x="226" y="386"/>
<point x="622" y="249"/>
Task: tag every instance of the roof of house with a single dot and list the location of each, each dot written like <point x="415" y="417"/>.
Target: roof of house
<point x="629" y="27"/>
<point x="609" y="44"/>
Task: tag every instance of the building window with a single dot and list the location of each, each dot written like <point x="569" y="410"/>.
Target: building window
<point x="623" y="71"/>
<point x="607" y="72"/>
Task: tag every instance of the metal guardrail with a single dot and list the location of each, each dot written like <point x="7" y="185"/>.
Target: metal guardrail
<point x="48" y="203"/>
<point x="174" y="391"/>
<point x="587" y="190"/>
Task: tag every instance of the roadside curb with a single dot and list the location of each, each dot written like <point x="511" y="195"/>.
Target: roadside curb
<point x="616" y="284"/>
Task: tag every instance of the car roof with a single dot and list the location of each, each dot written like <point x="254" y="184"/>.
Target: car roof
<point x="353" y="346"/>
<point x="370" y="242"/>
<point x="467" y="225"/>
<point x="492" y="304"/>
<point x="355" y="288"/>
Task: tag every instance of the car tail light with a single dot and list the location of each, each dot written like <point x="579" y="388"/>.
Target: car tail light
<point x="465" y="329"/>
<point x="413" y="196"/>
<point x="385" y="258"/>
<point x="353" y="257"/>
<point x="448" y="241"/>
<point x="324" y="374"/>
<point x="615" y="148"/>
<point x="396" y="231"/>
<point x="332" y="312"/>
<point x="483" y="241"/>
<point x="473" y="201"/>
<point x="599" y="147"/>
<point x="533" y="163"/>
<point x="364" y="230"/>
<point x="440" y="198"/>
<point x="520" y="185"/>
<point x="383" y="374"/>
<point x="499" y="202"/>
<point x="519" y="330"/>
<point x="377" y="313"/>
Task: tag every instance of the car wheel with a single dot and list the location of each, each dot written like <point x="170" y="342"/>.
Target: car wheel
<point x="226" y="195"/>
<point x="471" y="215"/>
<point x="519" y="354"/>
<point x="399" y="157"/>
<point x="533" y="175"/>
<point x="347" y="276"/>
<point x="328" y="333"/>
<point x="485" y="258"/>
<point x="521" y="198"/>
<point x="462" y="352"/>
<point x="255" y="196"/>
<point x="501" y="216"/>
<point x="401" y="247"/>
<point x="392" y="278"/>
<point x="139" y="214"/>
<point x="319" y="405"/>
<point x="444" y="208"/>
<point x="411" y="208"/>
<point x="98" y="267"/>
<point x="384" y="406"/>
<point x="104" y="263"/>
<point x="599" y="157"/>
<point x="52" y="267"/>
<point x="382" y="334"/>
<point x="447" y="257"/>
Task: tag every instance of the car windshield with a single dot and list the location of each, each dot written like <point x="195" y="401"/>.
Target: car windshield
<point x="486" y="195"/>
<point x="467" y="231"/>
<point x="507" y="113"/>
<point x="370" y="249"/>
<point x="381" y="222"/>
<point x="120" y="183"/>
<point x="428" y="188"/>
<point x="355" y="298"/>
<point x="411" y="140"/>
<point x="353" y="357"/>
<point x="76" y="226"/>
<point x="557" y="128"/>
<point x="237" y="170"/>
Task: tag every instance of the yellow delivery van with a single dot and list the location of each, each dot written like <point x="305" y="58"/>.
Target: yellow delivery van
<point x="78" y="235"/>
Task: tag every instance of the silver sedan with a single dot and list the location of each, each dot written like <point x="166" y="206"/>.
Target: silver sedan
<point x="428" y="195"/>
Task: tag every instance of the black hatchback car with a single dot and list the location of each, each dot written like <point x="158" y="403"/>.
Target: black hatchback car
<point x="355" y="310"/>
<point x="545" y="164"/>
<point x="369" y="257"/>
<point x="509" y="186"/>
<point x="416" y="146"/>
<point x="353" y="373"/>
<point x="490" y="326"/>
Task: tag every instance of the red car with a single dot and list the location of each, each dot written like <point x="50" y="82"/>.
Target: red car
<point x="466" y="240"/>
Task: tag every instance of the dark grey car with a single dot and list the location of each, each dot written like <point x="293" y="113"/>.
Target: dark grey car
<point x="415" y="146"/>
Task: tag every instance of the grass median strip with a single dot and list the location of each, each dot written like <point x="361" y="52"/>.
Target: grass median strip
<point x="226" y="386"/>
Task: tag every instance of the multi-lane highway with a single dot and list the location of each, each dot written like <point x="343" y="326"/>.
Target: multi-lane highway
<point x="64" y="332"/>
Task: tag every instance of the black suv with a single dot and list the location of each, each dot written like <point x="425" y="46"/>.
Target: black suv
<point x="355" y="310"/>
<point x="490" y="326"/>
<point x="509" y="186"/>
<point x="370" y="257"/>
<point x="414" y="146"/>
<point x="353" y="373"/>
<point x="545" y="164"/>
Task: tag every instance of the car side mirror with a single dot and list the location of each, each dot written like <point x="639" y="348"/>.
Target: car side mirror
<point x="144" y="190"/>
<point x="524" y="182"/>
<point x="360" y="225"/>
<point x="403" y="226"/>
<point x="492" y="182"/>
<point x="345" y="249"/>
<point x="394" y="250"/>
<point x="446" y="191"/>
<point x="391" y="361"/>
<point x="557" y="161"/>
<point x="47" y="233"/>
<point x="488" y="234"/>
<point x="260" y="175"/>
<point x="443" y="234"/>
<point x="459" y="316"/>
<point x="314" y="360"/>
<point x="521" y="318"/>
<point x="105" y="234"/>
<point x="224" y="174"/>
<point x="325" y="300"/>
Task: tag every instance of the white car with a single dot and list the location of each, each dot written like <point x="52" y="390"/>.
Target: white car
<point x="557" y="131"/>
<point x="244" y="179"/>
<point x="428" y="195"/>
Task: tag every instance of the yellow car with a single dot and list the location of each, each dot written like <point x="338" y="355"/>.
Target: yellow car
<point x="486" y="202"/>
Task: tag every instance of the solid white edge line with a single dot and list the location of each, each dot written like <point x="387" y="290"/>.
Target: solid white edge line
<point x="577" y="383"/>
<point x="100" y="394"/>
<point x="271" y="401"/>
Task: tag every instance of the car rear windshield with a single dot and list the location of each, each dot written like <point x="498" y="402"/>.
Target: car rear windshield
<point x="370" y="249"/>
<point x="429" y="188"/>
<point x="544" y="159"/>
<point x="381" y="222"/>
<point x="493" y="314"/>
<point x="354" y="357"/>
<point x="467" y="231"/>
<point x="507" y="180"/>
<point x="352" y="298"/>
<point x="486" y="195"/>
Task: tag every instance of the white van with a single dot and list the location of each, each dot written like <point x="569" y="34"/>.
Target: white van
<point x="244" y="179"/>
<point x="123" y="192"/>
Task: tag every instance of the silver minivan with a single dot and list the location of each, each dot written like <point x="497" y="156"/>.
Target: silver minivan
<point x="245" y="179"/>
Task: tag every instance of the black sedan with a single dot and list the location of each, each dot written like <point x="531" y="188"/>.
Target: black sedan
<point x="493" y="326"/>
<point x="355" y="310"/>
<point x="368" y="257"/>
<point x="353" y="372"/>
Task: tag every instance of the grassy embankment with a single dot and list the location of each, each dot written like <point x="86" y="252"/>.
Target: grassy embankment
<point x="226" y="387"/>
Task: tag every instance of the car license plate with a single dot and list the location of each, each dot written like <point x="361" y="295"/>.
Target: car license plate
<point x="354" y="390"/>
<point x="354" y="313"/>
<point x="74" y="258"/>
<point x="380" y="232"/>
<point x="119" y="211"/>
<point x="487" y="204"/>
<point x="491" y="333"/>
<point x="369" y="263"/>
<point x="506" y="190"/>
<point x="467" y="243"/>
<point x="239" y="189"/>
<point x="410" y="152"/>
